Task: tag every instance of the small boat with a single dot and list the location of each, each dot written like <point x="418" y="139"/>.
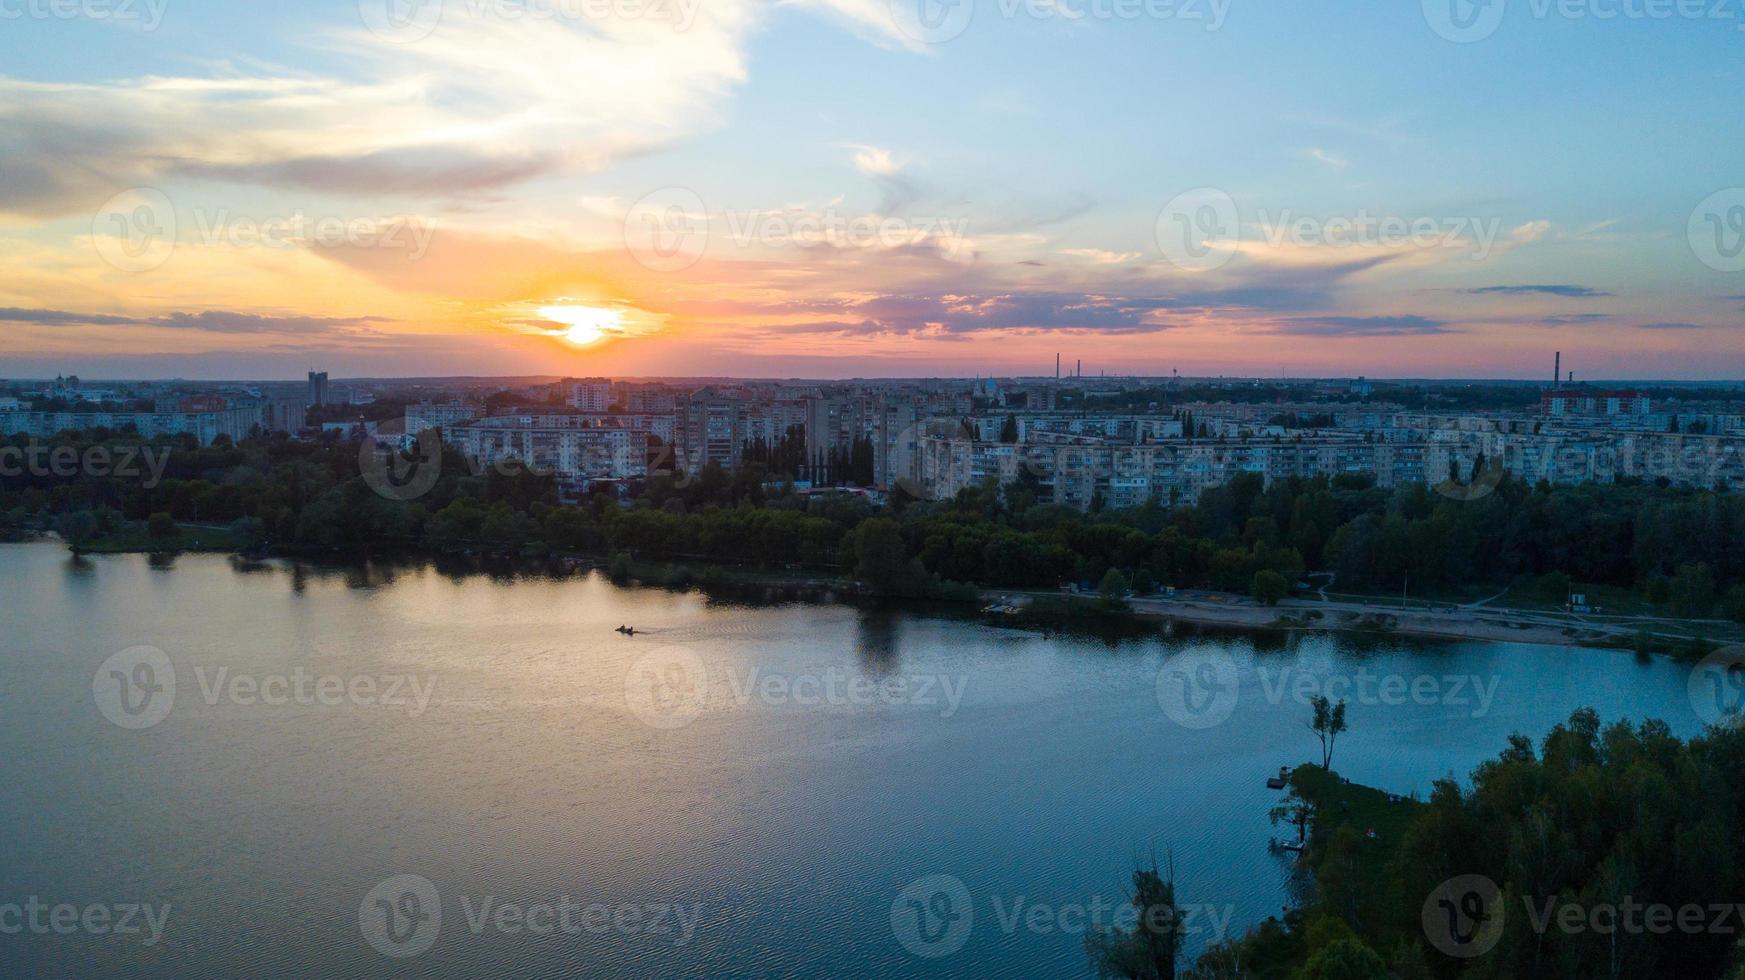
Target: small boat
<point x="627" y="630"/>
<point x="1286" y="844"/>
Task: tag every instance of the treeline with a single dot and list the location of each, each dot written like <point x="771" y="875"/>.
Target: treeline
<point x="1607" y="851"/>
<point x="1673" y="546"/>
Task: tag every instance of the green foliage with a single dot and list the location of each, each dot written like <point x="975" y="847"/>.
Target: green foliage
<point x="1269" y="587"/>
<point x="1114" y="585"/>
<point x="1344" y="959"/>
<point x="1675" y="546"/>
<point x="1595" y="816"/>
<point x="162" y="527"/>
<point x="1328" y="723"/>
<point x="1150" y="950"/>
<point x="1693" y="590"/>
<point x="1553" y="587"/>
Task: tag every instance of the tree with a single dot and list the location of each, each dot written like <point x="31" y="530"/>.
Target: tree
<point x="162" y="527"/>
<point x="1693" y="590"/>
<point x="1345" y="959"/>
<point x="1328" y="724"/>
<point x="1009" y="430"/>
<point x="1554" y="586"/>
<point x="1269" y="587"/>
<point x="1150" y="950"/>
<point x="880" y="558"/>
<point x="1734" y="603"/>
<point x="78" y="529"/>
<point x="1114" y="585"/>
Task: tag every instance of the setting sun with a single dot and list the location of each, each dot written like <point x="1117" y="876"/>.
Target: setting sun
<point x="587" y="324"/>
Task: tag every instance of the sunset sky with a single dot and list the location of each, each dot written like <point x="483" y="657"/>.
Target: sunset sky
<point x="842" y="188"/>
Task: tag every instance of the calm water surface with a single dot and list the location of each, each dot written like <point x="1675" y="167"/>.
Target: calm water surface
<point x="777" y="800"/>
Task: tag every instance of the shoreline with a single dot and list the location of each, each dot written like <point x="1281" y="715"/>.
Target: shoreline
<point x="1198" y="607"/>
<point x="1502" y="625"/>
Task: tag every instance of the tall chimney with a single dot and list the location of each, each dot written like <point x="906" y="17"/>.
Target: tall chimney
<point x="1557" y="372"/>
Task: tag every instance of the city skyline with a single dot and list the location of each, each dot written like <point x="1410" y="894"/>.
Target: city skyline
<point x="656" y="189"/>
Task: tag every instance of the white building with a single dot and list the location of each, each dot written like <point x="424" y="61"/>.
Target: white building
<point x="593" y="395"/>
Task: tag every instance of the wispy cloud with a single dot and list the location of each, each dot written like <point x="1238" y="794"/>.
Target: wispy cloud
<point x="1360" y="326"/>
<point x="1325" y="158"/>
<point x="1567" y="291"/>
<point x="481" y="104"/>
<point x="216" y="321"/>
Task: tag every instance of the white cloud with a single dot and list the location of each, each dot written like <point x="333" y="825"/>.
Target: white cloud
<point x="1321" y="156"/>
<point x="482" y="103"/>
<point x="875" y="161"/>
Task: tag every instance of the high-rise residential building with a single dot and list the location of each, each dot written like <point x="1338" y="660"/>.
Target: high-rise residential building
<point x="318" y="394"/>
<point x="714" y="430"/>
<point x="284" y="414"/>
<point x="426" y="415"/>
<point x="592" y="395"/>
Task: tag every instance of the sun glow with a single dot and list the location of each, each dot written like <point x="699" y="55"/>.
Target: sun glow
<point x="585" y="324"/>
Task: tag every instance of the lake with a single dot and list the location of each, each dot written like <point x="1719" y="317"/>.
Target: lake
<point x="284" y="771"/>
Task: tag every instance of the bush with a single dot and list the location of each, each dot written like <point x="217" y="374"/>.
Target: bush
<point x="1554" y="587"/>
<point x="1269" y="587"/>
<point x="162" y="527"/>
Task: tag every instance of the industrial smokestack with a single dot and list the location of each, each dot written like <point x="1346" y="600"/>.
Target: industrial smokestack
<point x="1557" y="372"/>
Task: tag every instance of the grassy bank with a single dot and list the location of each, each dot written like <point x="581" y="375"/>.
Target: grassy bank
<point x="134" y="537"/>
